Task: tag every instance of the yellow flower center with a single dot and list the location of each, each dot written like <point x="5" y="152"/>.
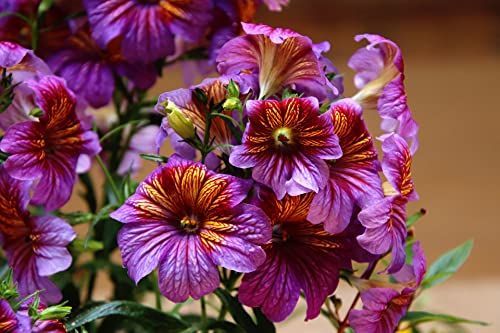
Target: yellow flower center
<point x="189" y="223"/>
<point x="283" y="136"/>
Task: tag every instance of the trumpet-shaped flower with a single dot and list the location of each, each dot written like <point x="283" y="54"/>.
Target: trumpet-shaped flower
<point x="380" y="78"/>
<point x="188" y="220"/>
<point x="48" y="149"/>
<point x="146" y="28"/>
<point x="35" y="245"/>
<point x="383" y="308"/>
<point x="354" y="179"/>
<point x="300" y="256"/>
<point x="287" y="144"/>
<point x="281" y="57"/>
<point x="385" y="219"/>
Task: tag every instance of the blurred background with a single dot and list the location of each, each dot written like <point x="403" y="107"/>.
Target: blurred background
<point x="451" y="51"/>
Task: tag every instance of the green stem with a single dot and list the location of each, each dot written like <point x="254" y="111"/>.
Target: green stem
<point x="118" y="129"/>
<point x="203" y="313"/>
<point x="109" y="178"/>
<point x="157" y="292"/>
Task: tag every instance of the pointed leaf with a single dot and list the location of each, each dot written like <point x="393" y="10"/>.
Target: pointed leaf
<point x="447" y="264"/>
<point x="141" y="314"/>
<point x="240" y="316"/>
<point x="417" y="317"/>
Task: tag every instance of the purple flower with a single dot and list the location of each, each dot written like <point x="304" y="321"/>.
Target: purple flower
<point x="281" y="57"/>
<point x="383" y="308"/>
<point x="23" y="65"/>
<point x="146" y="29"/>
<point x="35" y="245"/>
<point x="275" y="5"/>
<point x="380" y="78"/>
<point x="286" y="143"/>
<point x="188" y="220"/>
<point x="300" y="256"/>
<point x="385" y="220"/>
<point x="10" y="322"/>
<point x="49" y="149"/>
<point x="354" y="179"/>
<point x="89" y="69"/>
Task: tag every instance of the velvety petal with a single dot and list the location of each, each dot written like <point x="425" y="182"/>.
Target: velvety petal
<point x="18" y="110"/>
<point x="233" y="245"/>
<point x="143" y="245"/>
<point x="14" y="199"/>
<point x="146" y="30"/>
<point x="21" y="62"/>
<point x="186" y="270"/>
<point x="90" y="78"/>
<point x="353" y="178"/>
<point x="23" y="261"/>
<point x="50" y="236"/>
<point x="374" y="218"/>
<point x="281" y="57"/>
<point x="397" y="166"/>
<point x="8" y="319"/>
<point x="380" y="314"/>
<point x="273" y="287"/>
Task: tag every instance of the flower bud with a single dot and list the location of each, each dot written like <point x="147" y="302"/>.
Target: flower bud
<point x="232" y="103"/>
<point x="55" y="312"/>
<point x="178" y="121"/>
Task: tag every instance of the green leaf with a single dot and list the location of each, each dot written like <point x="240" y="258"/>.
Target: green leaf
<point x="141" y="314"/>
<point x="240" y="316"/>
<point x="154" y="158"/>
<point x="414" y="218"/>
<point x="447" y="264"/>
<point x="263" y="324"/>
<point x="417" y="317"/>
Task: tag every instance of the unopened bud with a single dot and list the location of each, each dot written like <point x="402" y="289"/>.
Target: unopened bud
<point x="181" y="124"/>
<point x="36" y="112"/>
<point x="55" y="312"/>
<point x="232" y="103"/>
<point x="233" y="89"/>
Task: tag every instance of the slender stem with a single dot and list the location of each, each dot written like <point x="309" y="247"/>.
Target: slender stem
<point x="157" y="292"/>
<point x="203" y="313"/>
<point x="109" y="178"/>
<point x="366" y="275"/>
<point x="118" y="129"/>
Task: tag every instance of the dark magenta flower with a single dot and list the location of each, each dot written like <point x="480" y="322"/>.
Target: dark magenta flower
<point x="300" y="256"/>
<point x="383" y="308"/>
<point x="188" y="220"/>
<point x="281" y="57"/>
<point x="385" y="220"/>
<point x="287" y="144"/>
<point x="380" y="78"/>
<point x="146" y="28"/>
<point x="354" y="179"/>
<point x="35" y="245"/>
<point x="48" y="149"/>
<point x="89" y="69"/>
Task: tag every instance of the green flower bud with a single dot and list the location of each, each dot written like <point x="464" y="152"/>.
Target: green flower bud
<point x="232" y="103"/>
<point x="178" y="121"/>
<point x="58" y="311"/>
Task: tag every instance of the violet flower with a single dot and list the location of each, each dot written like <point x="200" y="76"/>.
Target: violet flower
<point x="385" y="220"/>
<point x="48" y="149"/>
<point x="380" y="78"/>
<point x="35" y="245"/>
<point x="354" y="179"/>
<point x="287" y="144"/>
<point x="300" y="256"/>
<point x="10" y="322"/>
<point x="89" y="69"/>
<point x="188" y="220"/>
<point x="146" y="28"/>
<point x="383" y="308"/>
<point x="281" y="57"/>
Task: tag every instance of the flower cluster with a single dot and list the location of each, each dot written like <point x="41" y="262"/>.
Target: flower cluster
<point x="276" y="190"/>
